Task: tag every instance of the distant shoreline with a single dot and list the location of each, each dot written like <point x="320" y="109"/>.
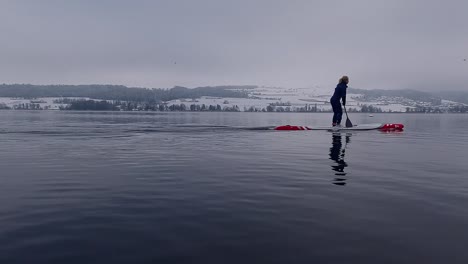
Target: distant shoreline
<point x="221" y="98"/>
<point x="204" y="112"/>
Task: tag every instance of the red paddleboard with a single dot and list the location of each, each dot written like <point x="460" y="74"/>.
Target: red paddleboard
<point x="382" y="127"/>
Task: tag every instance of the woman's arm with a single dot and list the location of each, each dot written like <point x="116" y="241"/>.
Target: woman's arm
<point x="343" y="94"/>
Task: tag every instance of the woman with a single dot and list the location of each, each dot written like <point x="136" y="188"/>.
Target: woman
<point x="340" y="93"/>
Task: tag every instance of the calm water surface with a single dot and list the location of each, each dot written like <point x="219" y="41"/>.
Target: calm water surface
<point x="83" y="187"/>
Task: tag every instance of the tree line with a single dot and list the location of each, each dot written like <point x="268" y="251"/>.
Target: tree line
<point x="93" y="105"/>
<point x="430" y="109"/>
<point x="120" y="92"/>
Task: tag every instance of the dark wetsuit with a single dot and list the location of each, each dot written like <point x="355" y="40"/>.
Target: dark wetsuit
<point x="340" y="93"/>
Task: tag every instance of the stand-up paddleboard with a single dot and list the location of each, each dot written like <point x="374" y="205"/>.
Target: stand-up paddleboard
<point x="377" y="126"/>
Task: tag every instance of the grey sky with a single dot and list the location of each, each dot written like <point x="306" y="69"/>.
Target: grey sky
<point x="380" y="44"/>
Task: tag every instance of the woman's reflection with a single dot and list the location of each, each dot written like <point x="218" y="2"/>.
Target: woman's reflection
<point x="337" y="154"/>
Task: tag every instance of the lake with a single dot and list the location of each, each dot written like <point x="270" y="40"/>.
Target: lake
<point x="115" y="187"/>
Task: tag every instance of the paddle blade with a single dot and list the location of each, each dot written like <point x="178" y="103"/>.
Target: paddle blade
<point x="348" y="122"/>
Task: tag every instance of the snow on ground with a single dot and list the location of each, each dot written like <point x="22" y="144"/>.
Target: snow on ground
<point x="451" y="103"/>
<point x="385" y="107"/>
<point x="259" y="98"/>
<point x="448" y="102"/>
<point x="293" y="97"/>
<point x="44" y="102"/>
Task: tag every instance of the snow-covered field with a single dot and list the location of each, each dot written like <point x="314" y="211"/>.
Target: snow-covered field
<point x="44" y="102"/>
<point x="294" y="98"/>
<point x="290" y="99"/>
<point x="386" y="107"/>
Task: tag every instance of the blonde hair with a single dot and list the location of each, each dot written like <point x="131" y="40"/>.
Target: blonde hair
<point x="344" y="79"/>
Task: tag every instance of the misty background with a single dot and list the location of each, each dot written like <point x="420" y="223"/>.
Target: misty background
<point x="379" y="44"/>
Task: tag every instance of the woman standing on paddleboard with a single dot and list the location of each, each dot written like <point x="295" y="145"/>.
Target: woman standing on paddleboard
<point x="340" y="93"/>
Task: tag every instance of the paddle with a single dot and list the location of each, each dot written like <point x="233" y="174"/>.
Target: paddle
<point x="348" y="122"/>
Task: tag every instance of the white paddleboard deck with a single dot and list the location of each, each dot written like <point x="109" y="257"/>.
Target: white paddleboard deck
<point x="355" y="127"/>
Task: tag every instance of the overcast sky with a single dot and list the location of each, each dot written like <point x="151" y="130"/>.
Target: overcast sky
<point x="391" y="44"/>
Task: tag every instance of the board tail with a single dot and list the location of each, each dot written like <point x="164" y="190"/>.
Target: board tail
<point x="392" y="127"/>
<point x="288" y="127"/>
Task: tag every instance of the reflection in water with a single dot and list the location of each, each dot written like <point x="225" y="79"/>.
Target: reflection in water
<point x="337" y="154"/>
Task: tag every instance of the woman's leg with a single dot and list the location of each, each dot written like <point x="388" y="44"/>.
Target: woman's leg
<point x="337" y="112"/>
<point x="334" y="113"/>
